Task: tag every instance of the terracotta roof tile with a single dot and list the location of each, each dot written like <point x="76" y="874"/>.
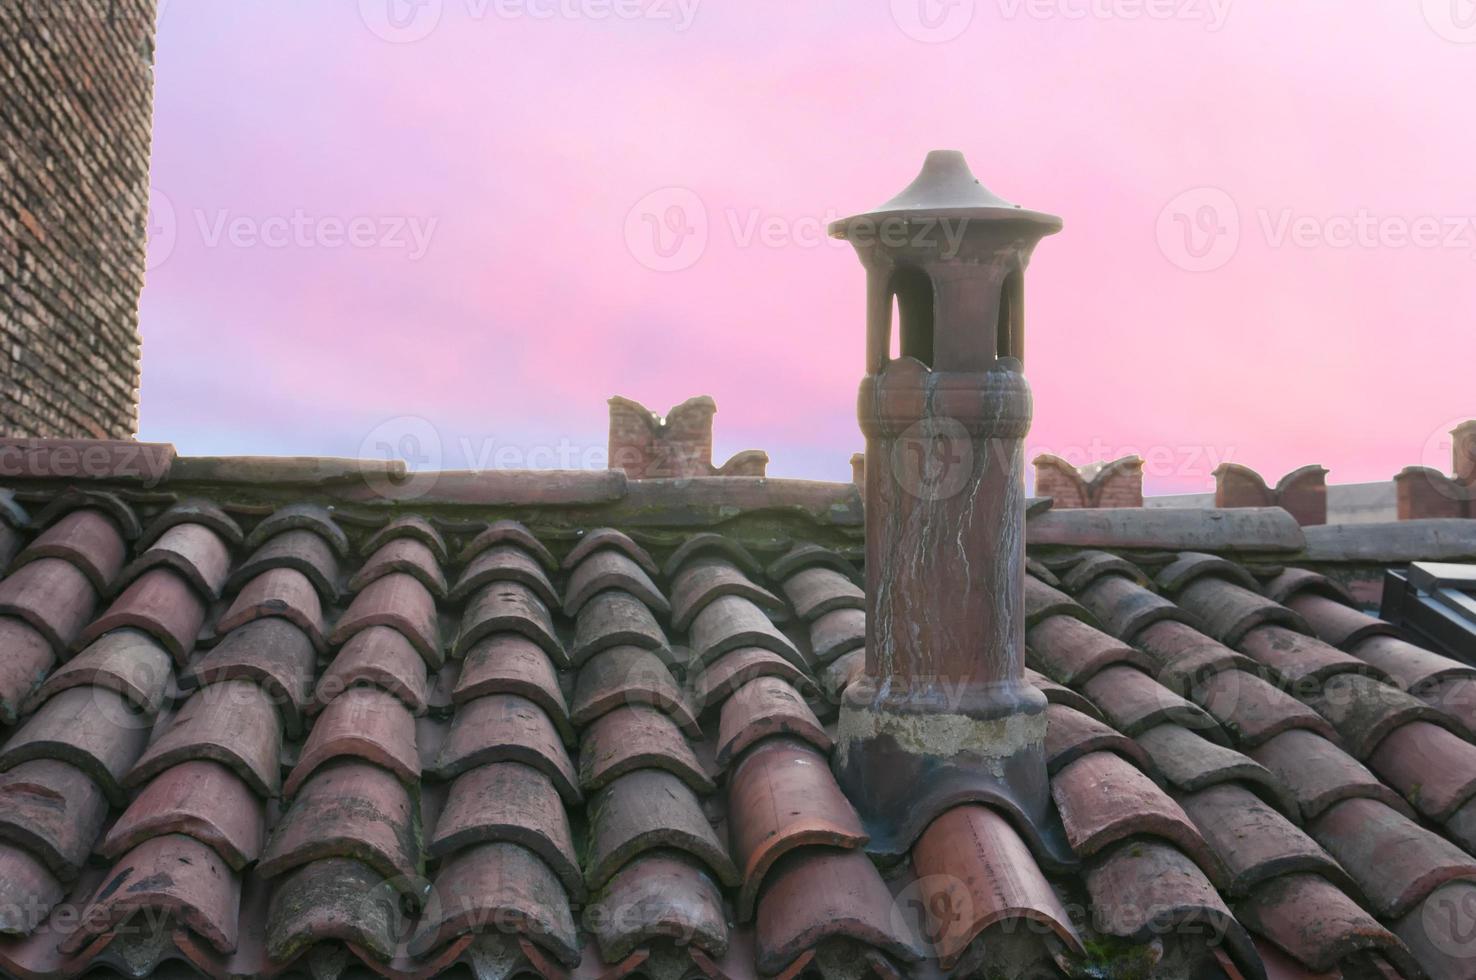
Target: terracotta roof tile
<point x="1395" y="861"/>
<point x="1293" y="581"/>
<point x="646" y="810"/>
<point x="126" y="662"/>
<point x="1104" y="799"/>
<point x="272" y="654"/>
<point x="837" y="633"/>
<point x="636" y="737"/>
<point x="1364" y="710"/>
<point x="403" y="556"/>
<point x="710" y="543"/>
<point x="304" y="515"/>
<point x="401" y="602"/>
<point x="513" y="607"/>
<point x="730" y="622"/>
<point x="1253" y="841"/>
<point x="362" y="722"/>
<point x="74" y="498"/>
<point x="1043" y="601"/>
<point x="612" y="569"/>
<point x="974" y="872"/>
<point x="506" y="663"/>
<point x="840" y="674"/>
<point x="1061" y="694"/>
<point x="191" y="511"/>
<point x="1089" y="566"/>
<point x="1191" y="763"/>
<point x="1071" y="735"/>
<point x="807" y="555"/>
<point x="505" y="563"/>
<point x="194" y="552"/>
<point x="1312" y="920"/>
<point x="336" y="898"/>
<point x="662" y="894"/>
<point x="1439" y="931"/>
<point x="1071" y="651"/>
<point x="608" y="537"/>
<point x="28" y="657"/>
<point x="89" y="727"/>
<point x="1337" y="623"/>
<point x="53" y="597"/>
<point x="1124" y="608"/>
<point x="1190" y="566"/>
<point x="27" y="891"/>
<point x="818" y="894"/>
<point x="1229" y="611"/>
<point x="1435" y="770"/>
<point x="763" y="707"/>
<point x="1254" y="710"/>
<point x="511" y="802"/>
<point x="410" y="527"/>
<point x="1413" y="668"/>
<point x="1319" y="774"/>
<point x="233" y="723"/>
<point x="509" y="532"/>
<point x="506" y="887"/>
<point x="719" y="679"/>
<point x="616" y="618"/>
<point x="88" y="539"/>
<point x="1183" y="655"/>
<point x="507" y="728"/>
<point x="203" y="800"/>
<point x="380" y="657"/>
<point x="160" y="603"/>
<point x="629" y="676"/>
<point x="172" y="874"/>
<point x="349" y="808"/>
<point x="280" y="592"/>
<point x="1299" y="661"/>
<point x="818" y="590"/>
<point x="706" y="578"/>
<point x="298" y="549"/>
<point x="782" y="796"/>
<point x="1134" y="702"/>
<point x="54" y="811"/>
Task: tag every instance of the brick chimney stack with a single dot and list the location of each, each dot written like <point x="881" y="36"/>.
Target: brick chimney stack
<point x="647" y="446"/>
<point x="943" y="714"/>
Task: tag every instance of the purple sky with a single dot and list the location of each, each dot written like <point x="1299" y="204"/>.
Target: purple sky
<point x="434" y="225"/>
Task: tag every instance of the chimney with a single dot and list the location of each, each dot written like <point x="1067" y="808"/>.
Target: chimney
<point x="647" y="446"/>
<point x="858" y="469"/>
<point x="1302" y="492"/>
<point x="1463" y="452"/>
<point x="1118" y="483"/>
<point x="943" y="714"/>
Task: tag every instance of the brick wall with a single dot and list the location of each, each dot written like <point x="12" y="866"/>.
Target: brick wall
<point x="76" y="105"/>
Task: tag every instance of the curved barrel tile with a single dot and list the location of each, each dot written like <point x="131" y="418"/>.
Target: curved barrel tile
<point x="623" y="676"/>
<point x="837" y="633"/>
<point x="28" y="657"/>
<point x="1319" y="774"/>
<point x="302" y="551"/>
<point x="731" y="622"/>
<point x="203" y="800"/>
<point x="1254" y="710"/>
<point x="643" y="811"/>
<point x="1125" y="608"/>
<point x="27" y="891"/>
<point x="505" y="563"/>
<point x="509" y="532"/>
<point x="817" y="590"/>
<point x="1229" y="611"/>
<point x="127" y="662"/>
<point x="507" y="728"/>
<point x="660" y="895"/>
<point x="53" y="597"/>
<point x="283" y="592"/>
<point x="53" y="810"/>
<point x="1300" y="661"/>
<point x="1337" y="623"/>
<point x="1394" y="860"/>
<point x="89" y="727"/>
<point x="376" y="657"/>
<point x="233" y="723"/>
<point x="616" y="618"/>
<point x="332" y="899"/>
<point x="1365" y="710"/>
<point x="1191" y="763"/>
<point x="1070" y="734"/>
<point x="1310" y="919"/>
<point x="505" y="606"/>
<point x="271" y="653"/>
<point x="1435" y="770"/>
<point x="506" y="663"/>
<point x="401" y="602"/>
<point x="611" y="569"/>
<point x="1135" y="702"/>
<point x="635" y="737"/>
<point x="411" y="527"/>
<point x="763" y="707"/>
<point x="607" y="537"/>
<point x="719" y="679"/>
<point x="1071" y="651"/>
<point x="707" y="578"/>
<point x="710" y="543"/>
<point x="160" y="603"/>
<point x="88" y="539"/>
<point x="403" y="556"/>
<point x="305" y="516"/>
<point x="1253" y="841"/>
<point x="364" y="723"/>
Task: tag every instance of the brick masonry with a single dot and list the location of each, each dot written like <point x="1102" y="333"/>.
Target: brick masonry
<point x="76" y="108"/>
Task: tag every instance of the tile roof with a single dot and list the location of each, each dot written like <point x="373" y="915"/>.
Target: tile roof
<point x="259" y="721"/>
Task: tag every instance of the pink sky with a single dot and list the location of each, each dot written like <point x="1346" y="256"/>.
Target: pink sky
<point x="526" y="140"/>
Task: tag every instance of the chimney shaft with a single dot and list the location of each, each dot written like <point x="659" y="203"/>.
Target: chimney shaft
<point x="944" y="714"/>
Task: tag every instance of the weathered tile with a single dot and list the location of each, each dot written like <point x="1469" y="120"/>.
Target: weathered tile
<point x="27" y="891"/>
<point x="1190" y="566"/>
<point x="1125" y="608"/>
<point x="193" y="552"/>
<point x="1439" y="931"/>
<point x="88" y="539"/>
<point x="53" y="810"/>
<point x="282" y="592"/>
<point x="607" y="537"/>
<point x="233" y="723"/>
<point x="612" y="569"/>
<point x="1311" y="919"/>
<point x="731" y="622"/>
<point x="1043" y="601"/>
<point x="332" y="899"/>
<point x="1071" y="735"/>
<point x="307" y="516"/>
<point x="660" y="895"/>
<point x="400" y="602"/>
<point x="1435" y="770"/>
<point x="1088" y="566"/>
<point x="1060" y="694"/>
<point x="203" y="800"/>
<point x="377" y="657"/>
<point x="52" y="597"/>
<point x="364" y="723"/>
<point x="1336" y="623"/>
<point x="704" y="579"/>
<point x="707" y="544"/>
<point x="645" y="810"/>
<point x="824" y="894"/>
<point x="973" y="873"/>
<point x="505" y="885"/>
<point x="1253" y="710"/>
<point x="763" y="707"/>
<point x="1184" y="656"/>
<point x="27" y="660"/>
<point x="174" y="875"/>
<point x="505" y="563"/>
<point x="507" y="728"/>
<point x="192" y="511"/>
<point x="508" y="801"/>
<point x="513" y="608"/>
<point x="818" y="590"/>
<point x="807" y="555"/>
<point x="403" y="556"/>
<point x="1291" y="581"/>
<point x="1301" y="661"/>
<point x="1103" y="799"/>
<point x="125" y="661"/>
<point x="1135" y="702"/>
<point x="300" y="550"/>
<point x="1070" y="651"/>
<point x="840" y="674"/>
<point x="1229" y="611"/>
<point x="159" y="603"/>
<point x="1364" y="710"/>
<point x="629" y="676"/>
<point x="1253" y="841"/>
<point x="720" y="678"/>
<point x="74" y="498"/>
<point x="1319" y="774"/>
<point x="634" y="737"/>
<point x="349" y="808"/>
<point x="1395" y="861"/>
<point x="1191" y="763"/>
<point x="782" y="796"/>
<point x="837" y="633"/>
<point x="271" y="653"/>
<point x="89" y="727"/>
<point x="1413" y="668"/>
<point x="506" y="663"/>
<point x="410" y="527"/>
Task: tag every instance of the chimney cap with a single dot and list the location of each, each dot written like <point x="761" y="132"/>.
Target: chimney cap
<point x="947" y="188"/>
